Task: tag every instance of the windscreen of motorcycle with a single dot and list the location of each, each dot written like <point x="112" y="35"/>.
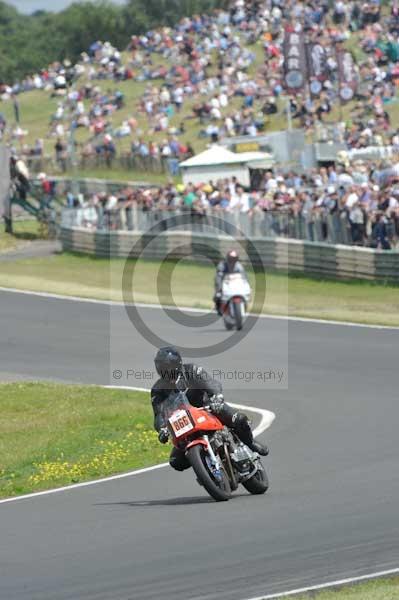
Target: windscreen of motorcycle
<point x="176" y="412"/>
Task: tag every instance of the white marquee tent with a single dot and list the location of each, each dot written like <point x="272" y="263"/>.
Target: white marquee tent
<point x="219" y="163"/>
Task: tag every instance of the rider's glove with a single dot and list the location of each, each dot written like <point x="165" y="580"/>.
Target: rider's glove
<point x="216" y="403"/>
<point x="163" y="435"/>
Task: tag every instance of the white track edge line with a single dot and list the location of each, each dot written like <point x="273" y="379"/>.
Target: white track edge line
<point x="330" y="584"/>
<point x="192" y="310"/>
<point x="267" y="418"/>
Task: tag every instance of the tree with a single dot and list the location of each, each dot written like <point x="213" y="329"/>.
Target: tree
<point x="30" y="43"/>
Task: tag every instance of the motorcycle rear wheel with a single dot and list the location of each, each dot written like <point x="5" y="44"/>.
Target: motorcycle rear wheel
<point x="259" y="483"/>
<point x="220" y="491"/>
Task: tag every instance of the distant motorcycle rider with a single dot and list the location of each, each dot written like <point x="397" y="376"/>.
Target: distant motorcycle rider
<point x="201" y="390"/>
<point x="230" y="264"/>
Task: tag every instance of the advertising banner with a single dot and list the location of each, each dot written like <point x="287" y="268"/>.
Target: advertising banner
<point x="317" y="64"/>
<point x="347" y="75"/>
<point x="295" y="63"/>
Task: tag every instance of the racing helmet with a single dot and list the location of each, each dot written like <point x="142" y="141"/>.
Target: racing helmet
<point x="168" y="363"/>
<point x="232" y="259"/>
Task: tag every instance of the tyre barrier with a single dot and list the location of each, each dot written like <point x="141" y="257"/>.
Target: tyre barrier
<point x="294" y="256"/>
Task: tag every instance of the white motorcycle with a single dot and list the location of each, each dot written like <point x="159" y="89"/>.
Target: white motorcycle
<point x="236" y="294"/>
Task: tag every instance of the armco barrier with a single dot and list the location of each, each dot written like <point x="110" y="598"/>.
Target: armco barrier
<point x="310" y="258"/>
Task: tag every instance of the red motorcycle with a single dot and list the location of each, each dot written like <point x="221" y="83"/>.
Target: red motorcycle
<point x="220" y="460"/>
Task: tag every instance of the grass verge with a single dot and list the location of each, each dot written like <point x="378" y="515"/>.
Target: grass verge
<point x="377" y="589"/>
<point x="192" y="285"/>
<point x="124" y="175"/>
<point x="24" y="231"/>
<point x="53" y="435"/>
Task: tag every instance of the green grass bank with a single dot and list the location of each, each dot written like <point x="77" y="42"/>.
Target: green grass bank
<point x="53" y="435"/>
<point x="377" y="589"/>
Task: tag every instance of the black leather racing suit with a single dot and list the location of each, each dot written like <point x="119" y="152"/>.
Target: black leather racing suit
<point x="199" y="387"/>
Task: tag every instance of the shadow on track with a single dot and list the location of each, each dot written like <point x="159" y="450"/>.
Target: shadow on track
<point x="167" y="502"/>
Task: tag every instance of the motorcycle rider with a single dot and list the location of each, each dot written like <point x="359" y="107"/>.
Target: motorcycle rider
<point x="201" y="390"/>
<point x="230" y="264"/>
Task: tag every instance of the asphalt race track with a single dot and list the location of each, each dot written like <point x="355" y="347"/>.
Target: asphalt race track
<point x="331" y="512"/>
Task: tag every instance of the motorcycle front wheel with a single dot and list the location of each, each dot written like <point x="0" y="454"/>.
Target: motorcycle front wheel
<point x="228" y="324"/>
<point x="219" y="489"/>
<point x="259" y="483"/>
<point x="238" y="314"/>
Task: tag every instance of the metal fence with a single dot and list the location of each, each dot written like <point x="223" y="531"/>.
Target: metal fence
<point x="333" y="229"/>
<point x="125" y="161"/>
<point x="61" y="186"/>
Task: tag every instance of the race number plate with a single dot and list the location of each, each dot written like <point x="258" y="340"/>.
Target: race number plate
<point x="180" y="423"/>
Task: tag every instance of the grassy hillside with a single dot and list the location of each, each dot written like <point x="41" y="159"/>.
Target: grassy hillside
<point x="37" y="108"/>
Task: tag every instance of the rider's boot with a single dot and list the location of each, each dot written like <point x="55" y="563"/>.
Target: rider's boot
<point x="261" y="449"/>
<point x="218" y="304"/>
<point x="244" y="432"/>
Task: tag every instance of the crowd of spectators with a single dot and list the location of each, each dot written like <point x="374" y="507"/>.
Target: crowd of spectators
<point x="221" y="75"/>
<point x="209" y="66"/>
<point x="341" y="204"/>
